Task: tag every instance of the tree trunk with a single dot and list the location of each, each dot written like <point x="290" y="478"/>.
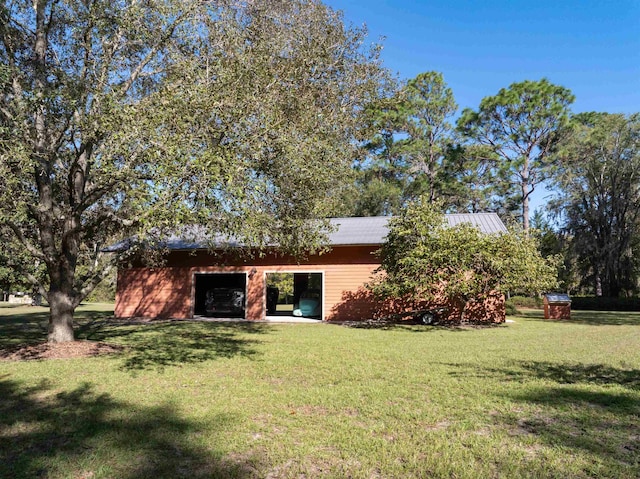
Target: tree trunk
<point x="525" y="207"/>
<point x="614" y="289"/>
<point x="61" y="304"/>
<point x="464" y="305"/>
<point x="598" y="285"/>
<point x="60" y="317"/>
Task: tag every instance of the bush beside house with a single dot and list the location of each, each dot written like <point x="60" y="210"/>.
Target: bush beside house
<point x="427" y="262"/>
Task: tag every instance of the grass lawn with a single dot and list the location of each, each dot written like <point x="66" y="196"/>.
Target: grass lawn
<point x="532" y="398"/>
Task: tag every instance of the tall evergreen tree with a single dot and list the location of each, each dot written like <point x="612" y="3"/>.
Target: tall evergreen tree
<point x="411" y="152"/>
<point x="427" y="108"/>
<point x="520" y="125"/>
<point x="379" y="171"/>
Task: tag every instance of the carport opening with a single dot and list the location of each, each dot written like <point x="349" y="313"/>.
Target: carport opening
<point x="295" y="294"/>
<point x="220" y="295"/>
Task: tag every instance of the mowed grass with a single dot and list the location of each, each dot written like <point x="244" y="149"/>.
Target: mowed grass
<point x="532" y="398"/>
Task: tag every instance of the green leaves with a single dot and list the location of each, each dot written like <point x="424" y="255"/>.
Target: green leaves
<point x="599" y="198"/>
<point x="408" y="154"/>
<point x="424" y="257"/>
<point x="141" y="118"/>
<point x="520" y="125"/>
<point x="428" y="105"/>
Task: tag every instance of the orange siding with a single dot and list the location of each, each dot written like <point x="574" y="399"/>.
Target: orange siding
<point x="150" y="293"/>
<point x="168" y="291"/>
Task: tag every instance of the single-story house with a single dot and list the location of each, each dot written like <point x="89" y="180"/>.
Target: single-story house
<point x="183" y="286"/>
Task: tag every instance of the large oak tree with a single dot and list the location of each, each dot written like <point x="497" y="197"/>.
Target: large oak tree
<point x="131" y="118"/>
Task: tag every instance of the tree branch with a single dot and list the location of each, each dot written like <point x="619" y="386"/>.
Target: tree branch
<point x="31" y="278"/>
<point x="150" y="54"/>
<point x="91" y="282"/>
<point x="30" y="247"/>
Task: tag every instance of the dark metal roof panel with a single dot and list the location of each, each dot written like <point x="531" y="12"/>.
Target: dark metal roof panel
<point x="557" y="298"/>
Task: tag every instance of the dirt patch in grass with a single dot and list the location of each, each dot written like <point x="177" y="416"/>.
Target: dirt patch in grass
<point x="73" y="349"/>
<point x="438" y="426"/>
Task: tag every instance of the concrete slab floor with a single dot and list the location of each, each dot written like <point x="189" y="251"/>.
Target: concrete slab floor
<point x="291" y="319"/>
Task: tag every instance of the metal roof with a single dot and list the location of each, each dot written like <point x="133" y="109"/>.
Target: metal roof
<point x="371" y="230"/>
<point x="486" y="222"/>
<point x="557" y="298"/>
<point x="359" y="230"/>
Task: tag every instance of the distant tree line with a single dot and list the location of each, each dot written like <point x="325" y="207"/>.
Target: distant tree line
<point x="493" y="158"/>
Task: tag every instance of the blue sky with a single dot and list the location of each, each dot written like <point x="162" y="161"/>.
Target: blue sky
<point x="591" y="47"/>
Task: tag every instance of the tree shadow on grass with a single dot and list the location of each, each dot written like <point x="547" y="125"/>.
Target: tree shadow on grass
<point x="602" y="423"/>
<point x="175" y="343"/>
<point x="591" y="318"/>
<point x="593" y="408"/>
<point x="28" y="325"/>
<point x="439" y="328"/>
<point x="80" y="433"/>
<point x="23" y="328"/>
<point x="148" y="345"/>
<point x="574" y="373"/>
<point x="413" y="326"/>
<point x="561" y="373"/>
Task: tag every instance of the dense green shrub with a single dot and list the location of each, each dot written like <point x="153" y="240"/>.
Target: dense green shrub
<point x="593" y="303"/>
<point x="510" y="308"/>
<point x="425" y="258"/>
<point x="526" y="302"/>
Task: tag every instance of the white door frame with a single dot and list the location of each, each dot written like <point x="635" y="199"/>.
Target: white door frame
<point x="287" y="271"/>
